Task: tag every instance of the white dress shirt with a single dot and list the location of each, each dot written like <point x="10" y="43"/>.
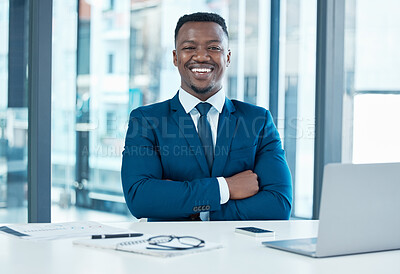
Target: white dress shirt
<point x="217" y="101"/>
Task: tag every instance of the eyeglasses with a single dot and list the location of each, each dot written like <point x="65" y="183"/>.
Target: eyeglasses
<point x="171" y="242"/>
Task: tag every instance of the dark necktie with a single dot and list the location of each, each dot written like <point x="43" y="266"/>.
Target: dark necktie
<point x="204" y="131"/>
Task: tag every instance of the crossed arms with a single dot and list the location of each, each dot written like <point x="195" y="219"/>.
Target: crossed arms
<point x="262" y="193"/>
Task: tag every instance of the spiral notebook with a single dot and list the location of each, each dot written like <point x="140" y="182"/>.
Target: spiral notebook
<point x="139" y="245"/>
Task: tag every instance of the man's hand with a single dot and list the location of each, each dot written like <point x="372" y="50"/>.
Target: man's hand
<point x="242" y="185"/>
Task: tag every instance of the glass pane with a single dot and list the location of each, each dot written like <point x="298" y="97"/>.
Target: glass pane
<point x="13" y="111"/>
<point x="244" y="42"/>
<point x="297" y="101"/>
<point x="372" y="81"/>
<point x="377" y="132"/>
<point x="89" y="109"/>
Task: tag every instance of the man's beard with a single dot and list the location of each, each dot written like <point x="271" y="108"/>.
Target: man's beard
<point x="201" y="91"/>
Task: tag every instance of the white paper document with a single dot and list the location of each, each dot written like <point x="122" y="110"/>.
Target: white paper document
<point x="53" y="231"/>
<point x="140" y="245"/>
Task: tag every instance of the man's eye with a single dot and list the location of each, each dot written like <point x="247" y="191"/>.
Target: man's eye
<point x="215" y="48"/>
<point x="188" y="48"/>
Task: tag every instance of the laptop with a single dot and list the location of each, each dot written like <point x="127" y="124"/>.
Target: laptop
<point x="359" y="212"/>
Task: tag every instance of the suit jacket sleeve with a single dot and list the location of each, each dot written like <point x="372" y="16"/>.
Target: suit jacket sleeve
<point x="273" y="201"/>
<point x="147" y="193"/>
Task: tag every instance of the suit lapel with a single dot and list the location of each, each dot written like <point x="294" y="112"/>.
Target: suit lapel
<point x="188" y="131"/>
<point x="226" y="129"/>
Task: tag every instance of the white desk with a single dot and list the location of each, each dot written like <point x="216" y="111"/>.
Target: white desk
<point x="241" y="254"/>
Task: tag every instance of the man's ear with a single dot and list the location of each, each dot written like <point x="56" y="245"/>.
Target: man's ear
<point x="228" y="58"/>
<point x="175" y="57"/>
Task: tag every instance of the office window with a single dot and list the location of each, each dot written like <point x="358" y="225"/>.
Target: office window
<point x="110" y="57"/>
<point x="372" y="118"/>
<point x="296" y="98"/>
<point x="13" y="112"/>
<point x="89" y="108"/>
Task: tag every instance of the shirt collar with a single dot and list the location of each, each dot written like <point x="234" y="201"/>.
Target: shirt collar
<point x="188" y="101"/>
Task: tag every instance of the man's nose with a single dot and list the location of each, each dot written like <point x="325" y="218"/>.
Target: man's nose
<point x="201" y="55"/>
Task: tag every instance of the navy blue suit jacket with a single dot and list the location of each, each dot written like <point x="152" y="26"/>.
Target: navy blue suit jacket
<point x="162" y="144"/>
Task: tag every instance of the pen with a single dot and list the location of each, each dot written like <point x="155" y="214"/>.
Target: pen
<point x="109" y="236"/>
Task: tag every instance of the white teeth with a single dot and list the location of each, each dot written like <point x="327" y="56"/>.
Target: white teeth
<point x="201" y="70"/>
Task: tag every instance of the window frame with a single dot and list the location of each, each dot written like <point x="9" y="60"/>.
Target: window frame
<point x="329" y="106"/>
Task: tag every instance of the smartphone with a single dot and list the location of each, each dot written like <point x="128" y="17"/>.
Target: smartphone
<point x="255" y="231"/>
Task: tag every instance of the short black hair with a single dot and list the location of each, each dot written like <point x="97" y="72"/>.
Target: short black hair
<point x="201" y="17"/>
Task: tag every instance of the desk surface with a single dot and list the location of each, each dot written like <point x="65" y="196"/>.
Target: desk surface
<point x="241" y="254"/>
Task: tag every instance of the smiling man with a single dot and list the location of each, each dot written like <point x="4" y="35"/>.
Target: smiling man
<point x="199" y="155"/>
